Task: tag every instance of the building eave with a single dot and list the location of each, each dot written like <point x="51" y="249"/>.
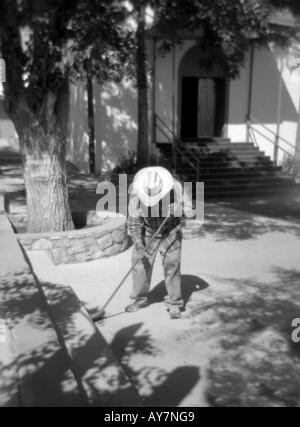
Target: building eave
<point x="284" y="18"/>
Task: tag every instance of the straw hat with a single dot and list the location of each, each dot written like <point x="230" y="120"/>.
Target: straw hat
<point x="152" y="184"/>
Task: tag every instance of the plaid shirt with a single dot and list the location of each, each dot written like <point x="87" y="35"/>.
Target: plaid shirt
<point x="140" y="225"/>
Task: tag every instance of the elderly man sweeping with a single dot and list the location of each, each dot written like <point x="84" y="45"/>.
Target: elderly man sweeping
<point x="156" y="207"/>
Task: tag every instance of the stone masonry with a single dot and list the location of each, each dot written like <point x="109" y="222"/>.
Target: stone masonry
<point x="80" y="245"/>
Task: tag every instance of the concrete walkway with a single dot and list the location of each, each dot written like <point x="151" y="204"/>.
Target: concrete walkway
<point x="51" y="354"/>
<point x="233" y="347"/>
<point x="101" y="379"/>
<point x="34" y="369"/>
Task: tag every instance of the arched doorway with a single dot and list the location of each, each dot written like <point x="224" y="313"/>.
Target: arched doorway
<point x="202" y="95"/>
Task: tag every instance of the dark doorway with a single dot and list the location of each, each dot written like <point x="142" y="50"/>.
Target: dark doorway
<point x="202" y="107"/>
<point x="189" y="107"/>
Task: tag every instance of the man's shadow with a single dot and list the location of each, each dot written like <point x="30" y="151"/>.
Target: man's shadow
<point x="189" y="285"/>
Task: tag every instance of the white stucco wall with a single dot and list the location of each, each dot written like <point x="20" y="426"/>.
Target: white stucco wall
<point x="270" y="66"/>
<point x="271" y="77"/>
<point x="116" y="106"/>
<point x="290" y="105"/>
<point x="116" y="123"/>
<point x="238" y="105"/>
<point x="78" y="139"/>
<point x="8" y="135"/>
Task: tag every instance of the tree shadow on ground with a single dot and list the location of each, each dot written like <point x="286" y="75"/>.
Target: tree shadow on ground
<point x="39" y="361"/>
<point x="44" y="369"/>
<point x="176" y="386"/>
<point x="224" y="224"/>
<point x="158" y="387"/>
<point x="285" y="207"/>
<point x="256" y="363"/>
<point x="42" y="365"/>
<point x="46" y="376"/>
<point x="43" y="379"/>
<point x="189" y="285"/>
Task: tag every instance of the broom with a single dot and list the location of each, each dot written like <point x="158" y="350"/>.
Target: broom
<point x="99" y="315"/>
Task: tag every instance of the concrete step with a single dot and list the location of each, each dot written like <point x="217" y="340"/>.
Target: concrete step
<point x="211" y="146"/>
<point x="229" y="153"/>
<point x="241" y="186"/>
<point x="215" y="150"/>
<point x="220" y="158"/>
<point x="240" y="178"/>
<point x="242" y="174"/>
<point x="222" y="154"/>
<point x="230" y="168"/>
<point x="250" y="181"/>
<point x="209" y="141"/>
<point x="245" y="193"/>
<point x="222" y="170"/>
<point x="181" y="163"/>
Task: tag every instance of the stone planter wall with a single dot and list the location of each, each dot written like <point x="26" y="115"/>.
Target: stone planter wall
<point x="80" y="245"/>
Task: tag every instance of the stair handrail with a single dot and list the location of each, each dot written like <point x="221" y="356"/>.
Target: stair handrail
<point x="253" y="119"/>
<point x="250" y="127"/>
<point x="178" y="147"/>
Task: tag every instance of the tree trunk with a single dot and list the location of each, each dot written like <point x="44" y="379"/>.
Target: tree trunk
<point x="142" y="85"/>
<point x="40" y="116"/>
<point x="43" y="144"/>
<point x="46" y="189"/>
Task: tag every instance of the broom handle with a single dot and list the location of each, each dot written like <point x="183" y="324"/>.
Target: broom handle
<point x="138" y="260"/>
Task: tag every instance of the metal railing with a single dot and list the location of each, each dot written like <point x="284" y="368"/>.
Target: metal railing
<point x="178" y="147"/>
<point x="274" y="138"/>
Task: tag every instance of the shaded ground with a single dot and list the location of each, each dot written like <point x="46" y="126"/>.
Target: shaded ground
<point x="233" y="347"/>
<point x="258" y="364"/>
<point x="241" y="282"/>
<point x="82" y="188"/>
<point x="285" y="207"/>
<point x="37" y="371"/>
<point x="82" y="191"/>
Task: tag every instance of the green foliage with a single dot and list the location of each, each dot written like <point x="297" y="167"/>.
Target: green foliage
<point x="127" y="164"/>
<point x="45" y="42"/>
<point x="291" y="166"/>
<point x="48" y="42"/>
<point x="230" y="27"/>
<point x="293" y="5"/>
